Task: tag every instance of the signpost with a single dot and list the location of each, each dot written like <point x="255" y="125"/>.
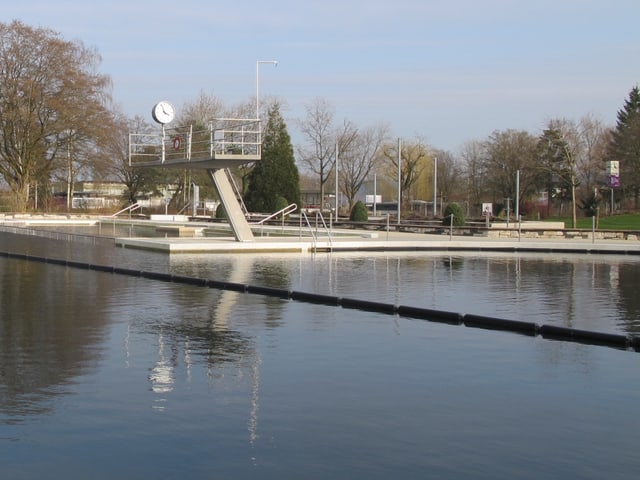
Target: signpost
<point x="487" y="212"/>
<point x="613" y="172"/>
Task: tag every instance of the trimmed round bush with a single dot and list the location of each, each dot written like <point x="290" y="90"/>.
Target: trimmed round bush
<point x="359" y="213"/>
<point x="221" y="212"/>
<point x="281" y="203"/>
<point x="458" y="215"/>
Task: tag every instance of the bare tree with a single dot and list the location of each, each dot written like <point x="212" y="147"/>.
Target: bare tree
<point x="449" y="174"/>
<point x="318" y="154"/>
<point x="359" y="152"/>
<point x="506" y="153"/>
<point x="472" y="155"/>
<point x="564" y="144"/>
<point x="50" y="95"/>
<point x="595" y="138"/>
<point x="114" y="160"/>
<point x="413" y="157"/>
<point x="201" y="110"/>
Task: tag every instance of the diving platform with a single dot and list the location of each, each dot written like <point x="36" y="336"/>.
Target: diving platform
<point x="221" y="144"/>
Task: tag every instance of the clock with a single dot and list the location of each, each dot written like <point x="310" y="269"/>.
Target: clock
<point x="163" y="112"/>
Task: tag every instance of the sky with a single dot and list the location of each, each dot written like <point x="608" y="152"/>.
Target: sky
<point x="448" y="72"/>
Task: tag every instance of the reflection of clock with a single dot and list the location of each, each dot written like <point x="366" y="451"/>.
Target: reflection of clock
<point x="162" y="112"/>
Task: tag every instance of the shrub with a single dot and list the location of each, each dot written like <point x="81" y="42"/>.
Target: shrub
<point x="589" y="205"/>
<point x="221" y="212"/>
<point x="458" y="215"/>
<point x="359" y="213"/>
<point x="281" y="203"/>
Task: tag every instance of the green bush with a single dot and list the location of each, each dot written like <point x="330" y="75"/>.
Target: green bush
<point x="359" y="213"/>
<point x="458" y="215"/>
<point x="221" y="212"/>
<point x="281" y="203"/>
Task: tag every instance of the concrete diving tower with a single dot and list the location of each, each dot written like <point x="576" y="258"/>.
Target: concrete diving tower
<point x="224" y="143"/>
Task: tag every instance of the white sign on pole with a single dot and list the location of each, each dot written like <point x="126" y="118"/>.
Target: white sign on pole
<point x="369" y="199"/>
<point x="613" y="167"/>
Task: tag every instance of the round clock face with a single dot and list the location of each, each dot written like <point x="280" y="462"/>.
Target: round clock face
<point x="162" y="112"/>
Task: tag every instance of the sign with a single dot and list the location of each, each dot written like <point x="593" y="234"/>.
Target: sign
<point x="613" y="168"/>
<point x="487" y="210"/>
<point x="369" y="199"/>
<point x="614" y="181"/>
<point x="176" y="143"/>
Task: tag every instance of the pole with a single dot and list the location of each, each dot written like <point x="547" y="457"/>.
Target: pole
<point x="507" y="212"/>
<point x="399" y="175"/>
<point x="273" y="62"/>
<point x="163" y="138"/>
<point x="611" y="200"/>
<point x="337" y="193"/>
<point x="375" y="194"/>
<point x="435" y="185"/>
<point x="518" y="195"/>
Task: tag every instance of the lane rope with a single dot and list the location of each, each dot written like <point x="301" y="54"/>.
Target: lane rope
<point x="549" y="332"/>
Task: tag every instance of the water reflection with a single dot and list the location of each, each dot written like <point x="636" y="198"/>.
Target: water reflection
<point x="593" y="292"/>
<point x="55" y="326"/>
<point x="48" y="333"/>
<point x="201" y="382"/>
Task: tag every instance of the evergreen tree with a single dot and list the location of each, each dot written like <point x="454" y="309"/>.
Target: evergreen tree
<point x="625" y="145"/>
<point x="276" y="174"/>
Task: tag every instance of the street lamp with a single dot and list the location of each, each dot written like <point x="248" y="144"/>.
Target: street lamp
<point x="435" y="186"/>
<point x="272" y="62"/>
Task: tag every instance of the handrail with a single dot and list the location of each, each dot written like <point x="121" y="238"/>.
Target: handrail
<point x="226" y="137"/>
<point x="319" y="214"/>
<point x="234" y="184"/>
<point x="130" y="208"/>
<point x="313" y="235"/>
<point x="285" y="211"/>
<point x="187" y="205"/>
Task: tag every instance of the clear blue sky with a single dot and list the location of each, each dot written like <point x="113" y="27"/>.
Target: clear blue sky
<point x="450" y="71"/>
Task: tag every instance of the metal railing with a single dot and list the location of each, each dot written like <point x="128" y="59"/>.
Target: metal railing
<point x="284" y="211"/>
<point x="222" y="137"/>
<point x="314" y="235"/>
<point x="57" y="235"/>
<point x="130" y="208"/>
<point x="237" y="191"/>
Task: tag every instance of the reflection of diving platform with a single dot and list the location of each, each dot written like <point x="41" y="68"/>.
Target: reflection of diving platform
<point x="224" y="143"/>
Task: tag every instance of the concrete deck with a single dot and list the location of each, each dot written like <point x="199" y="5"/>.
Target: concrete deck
<point x="354" y="241"/>
<point x="346" y="240"/>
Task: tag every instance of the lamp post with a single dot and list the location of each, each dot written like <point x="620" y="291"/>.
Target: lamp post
<point x="272" y="62"/>
<point x="435" y="186"/>
<point x="375" y="193"/>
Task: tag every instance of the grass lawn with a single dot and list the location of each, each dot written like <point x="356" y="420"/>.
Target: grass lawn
<point x="627" y="221"/>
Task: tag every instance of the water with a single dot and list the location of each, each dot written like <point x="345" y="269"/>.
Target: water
<point x="108" y="376"/>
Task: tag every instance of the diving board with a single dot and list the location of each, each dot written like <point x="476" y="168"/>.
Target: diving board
<point x="222" y="144"/>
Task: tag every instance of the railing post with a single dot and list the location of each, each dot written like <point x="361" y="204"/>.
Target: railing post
<point x="451" y="227"/>
<point x="211" y="149"/>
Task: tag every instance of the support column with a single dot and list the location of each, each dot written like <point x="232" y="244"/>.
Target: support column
<point x="239" y="225"/>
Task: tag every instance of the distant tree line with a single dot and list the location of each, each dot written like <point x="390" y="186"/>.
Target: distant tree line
<point x="58" y="124"/>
